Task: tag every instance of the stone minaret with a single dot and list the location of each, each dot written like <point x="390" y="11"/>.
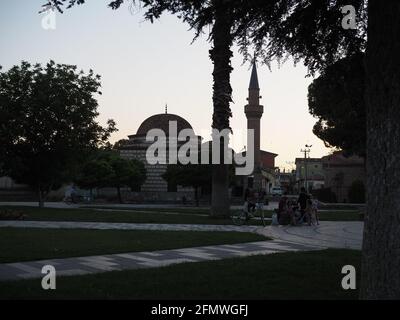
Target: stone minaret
<point x="254" y="111"/>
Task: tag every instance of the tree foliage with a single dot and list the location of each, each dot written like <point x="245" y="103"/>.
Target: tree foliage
<point x="48" y="123"/>
<point x="336" y="98"/>
<point x="191" y="175"/>
<point x="108" y="169"/>
<point x="309" y="31"/>
<point x="198" y="176"/>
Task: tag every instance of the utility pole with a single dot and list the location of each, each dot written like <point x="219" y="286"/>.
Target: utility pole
<point x="306" y="152"/>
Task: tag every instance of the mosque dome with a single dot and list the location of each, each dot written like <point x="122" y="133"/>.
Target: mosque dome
<point x="161" y="121"/>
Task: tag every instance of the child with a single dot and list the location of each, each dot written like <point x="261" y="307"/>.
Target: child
<point x="312" y="212"/>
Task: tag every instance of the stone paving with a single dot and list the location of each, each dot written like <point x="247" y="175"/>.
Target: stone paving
<point x="139" y="260"/>
<point x="331" y="234"/>
<point x="126" y="226"/>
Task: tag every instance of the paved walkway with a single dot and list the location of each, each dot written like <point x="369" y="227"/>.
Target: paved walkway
<point x="126" y="226"/>
<point x="139" y="260"/>
<point x="329" y="234"/>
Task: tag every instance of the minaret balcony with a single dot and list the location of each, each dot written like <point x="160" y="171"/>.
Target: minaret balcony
<point x="253" y="111"/>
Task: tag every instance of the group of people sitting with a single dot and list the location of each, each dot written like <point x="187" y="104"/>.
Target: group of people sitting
<point x="304" y="210"/>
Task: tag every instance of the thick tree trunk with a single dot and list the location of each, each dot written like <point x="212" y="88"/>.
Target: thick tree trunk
<point x="380" y="276"/>
<point x="221" y="55"/>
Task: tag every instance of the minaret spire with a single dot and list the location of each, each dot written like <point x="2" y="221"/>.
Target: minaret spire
<point x="166" y="108"/>
<point x="254" y="88"/>
<point x="254" y="77"/>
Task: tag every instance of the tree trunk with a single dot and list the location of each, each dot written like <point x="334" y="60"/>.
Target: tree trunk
<point x="40" y="196"/>
<point x="196" y="195"/>
<point x="41" y="199"/>
<point x="380" y="275"/>
<point x="119" y="194"/>
<point x="221" y="55"/>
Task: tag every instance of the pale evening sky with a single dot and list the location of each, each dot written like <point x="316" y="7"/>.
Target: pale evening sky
<point x="144" y="65"/>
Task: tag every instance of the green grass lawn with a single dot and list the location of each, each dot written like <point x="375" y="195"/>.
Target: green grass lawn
<point x="25" y="244"/>
<point x="131" y="216"/>
<point x="300" y="275"/>
<point x="188" y="210"/>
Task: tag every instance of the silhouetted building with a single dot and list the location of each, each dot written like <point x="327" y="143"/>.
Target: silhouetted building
<point x="309" y="170"/>
<point x="341" y="172"/>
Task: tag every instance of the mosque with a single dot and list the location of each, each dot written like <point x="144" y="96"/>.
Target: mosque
<point x="156" y="188"/>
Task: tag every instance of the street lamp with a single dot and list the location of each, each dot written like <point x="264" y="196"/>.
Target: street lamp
<point x="306" y="152"/>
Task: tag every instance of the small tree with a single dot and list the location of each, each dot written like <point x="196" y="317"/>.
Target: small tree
<point x="126" y="173"/>
<point x="192" y="175"/>
<point x="95" y="174"/>
<point x="47" y="123"/>
<point x="196" y="175"/>
<point x="108" y="169"/>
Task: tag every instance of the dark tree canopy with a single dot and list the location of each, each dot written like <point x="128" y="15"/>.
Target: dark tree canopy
<point x="336" y="98"/>
<point x="309" y="31"/>
<point x="96" y="172"/>
<point x="107" y="169"/>
<point x="191" y="175"/>
<point x="48" y="123"/>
